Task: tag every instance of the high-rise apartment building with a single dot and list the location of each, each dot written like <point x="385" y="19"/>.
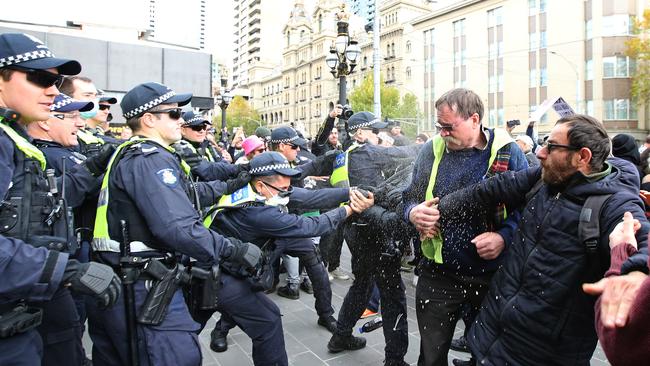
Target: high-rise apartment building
<point x="257" y="36"/>
<point x="516" y="54"/>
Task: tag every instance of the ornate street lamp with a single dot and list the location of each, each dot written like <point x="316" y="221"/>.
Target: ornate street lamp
<point x="344" y="53"/>
<point x="223" y="100"/>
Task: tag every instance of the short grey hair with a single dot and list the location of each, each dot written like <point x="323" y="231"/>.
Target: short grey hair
<point x="463" y="102"/>
<point x="526" y="140"/>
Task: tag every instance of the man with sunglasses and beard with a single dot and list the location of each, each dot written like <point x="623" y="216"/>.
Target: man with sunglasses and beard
<point x="536" y="311"/>
<point x="146" y="202"/>
<point x="34" y="274"/>
<point x="459" y="256"/>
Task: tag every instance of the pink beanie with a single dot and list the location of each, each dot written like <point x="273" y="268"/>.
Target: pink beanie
<point x="251" y="143"/>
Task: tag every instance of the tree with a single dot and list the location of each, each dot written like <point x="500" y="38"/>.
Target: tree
<point x="639" y="48"/>
<point x="362" y="99"/>
<point x="238" y="114"/>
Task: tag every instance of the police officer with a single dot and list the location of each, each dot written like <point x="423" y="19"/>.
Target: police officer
<point x="258" y="213"/>
<point x="32" y="274"/>
<point x="104" y="116"/>
<point x="145" y="206"/>
<point x="365" y="164"/>
<point x="194" y="132"/>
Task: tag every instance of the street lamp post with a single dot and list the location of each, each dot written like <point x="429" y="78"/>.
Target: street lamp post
<point x="575" y="69"/>
<point x="223" y="100"/>
<point x="343" y="54"/>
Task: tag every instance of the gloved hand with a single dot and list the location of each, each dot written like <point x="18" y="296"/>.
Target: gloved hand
<point x="93" y="279"/>
<point x="97" y="163"/>
<point x="244" y="167"/>
<point x="241" y="180"/>
<point x="246" y="254"/>
<point x="326" y="161"/>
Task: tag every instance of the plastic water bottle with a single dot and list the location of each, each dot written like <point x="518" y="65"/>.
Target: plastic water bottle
<point x="371" y="325"/>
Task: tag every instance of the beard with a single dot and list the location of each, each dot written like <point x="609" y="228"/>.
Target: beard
<point x="452" y="140"/>
<point x="556" y="174"/>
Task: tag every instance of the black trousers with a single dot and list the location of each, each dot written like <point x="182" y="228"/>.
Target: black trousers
<point x="369" y="267"/>
<point x="439" y="297"/>
<point x="330" y="248"/>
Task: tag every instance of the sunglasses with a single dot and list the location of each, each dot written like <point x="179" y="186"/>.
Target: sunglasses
<point x="174" y="113"/>
<point x="63" y="116"/>
<point x="198" y="128"/>
<point x="551" y="146"/>
<point x="293" y="147"/>
<point x="104" y="107"/>
<point x="281" y="192"/>
<point x="41" y="78"/>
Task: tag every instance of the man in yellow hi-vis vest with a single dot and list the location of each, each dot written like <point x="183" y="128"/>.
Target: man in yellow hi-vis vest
<point x="459" y="256"/>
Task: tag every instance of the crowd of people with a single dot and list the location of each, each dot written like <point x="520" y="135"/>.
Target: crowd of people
<point x="540" y="246"/>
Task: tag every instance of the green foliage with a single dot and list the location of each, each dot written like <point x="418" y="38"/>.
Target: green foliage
<point x="406" y="110"/>
<point x="238" y="114"/>
<point x="638" y="47"/>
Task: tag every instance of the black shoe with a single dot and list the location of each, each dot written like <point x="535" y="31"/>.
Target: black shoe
<point x="307" y="286"/>
<point x="340" y="343"/>
<point x="290" y="291"/>
<point x="328" y="323"/>
<point x="459" y="344"/>
<point x="459" y="362"/>
<point x="395" y="363"/>
<point x="273" y="287"/>
<point x="218" y="342"/>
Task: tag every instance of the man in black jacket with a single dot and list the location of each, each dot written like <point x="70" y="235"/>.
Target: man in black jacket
<point x="536" y="312"/>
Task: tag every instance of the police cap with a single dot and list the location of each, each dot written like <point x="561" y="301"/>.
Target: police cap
<point x="148" y="95"/>
<point x="26" y="51"/>
<point x="286" y="135"/>
<point x="192" y="119"/>
<point x="271" y="163"/>
<point x="63" y="103"/>
<point x="364" y="120"/>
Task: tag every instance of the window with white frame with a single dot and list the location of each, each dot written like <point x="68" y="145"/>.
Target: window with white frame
<point x="618" y="66"/>
<point x="532" y="78"/>
<point x="619" y="109"/>
<point x="532" y="41"/>
<point x="543" y="80"/>
<point x="617" y="25"/>
<point x="589" y="69"/>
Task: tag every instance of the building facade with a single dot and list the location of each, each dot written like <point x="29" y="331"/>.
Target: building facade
<point x="301" y="90"/>
<point x="251" y="45"/>
<point x="516" y="54"/>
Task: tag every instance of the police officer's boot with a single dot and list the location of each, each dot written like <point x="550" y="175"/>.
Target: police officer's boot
<point x="340" y="343"/>
<point x="389" y="362"/>
<point x="306" y="286"/>
<point x="459" y="362"/>
<point x="459" y="344"/>
<point x="290" y="291"/>
<point x="218" y="341"/>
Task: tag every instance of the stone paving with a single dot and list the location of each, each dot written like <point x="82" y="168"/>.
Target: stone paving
<point x="306" y="342"/>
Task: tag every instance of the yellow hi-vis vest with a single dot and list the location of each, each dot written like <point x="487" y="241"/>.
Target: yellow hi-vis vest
<point x="88" y="138"/>
<point x="242" y="195"/>
<point x="339" y="177"/>
<point x="101" y="238"/>
<point x="432" y="247"/>
<point x="23" y="145"/>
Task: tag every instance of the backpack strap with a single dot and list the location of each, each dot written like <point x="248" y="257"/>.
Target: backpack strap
<point x="533" y="191"/>
<point x="589" y="233"/>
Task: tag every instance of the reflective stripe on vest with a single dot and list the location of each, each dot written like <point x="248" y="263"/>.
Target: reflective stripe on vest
<point x="242" y="195"/>
<point x="432" y="247"/>
<point x="101" y="239"/>
<point x="25" y="146"/>
<point x="339" y="177"/>
<point x="88" y="138"/>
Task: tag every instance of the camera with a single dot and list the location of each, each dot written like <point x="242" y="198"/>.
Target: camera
<point x="347" y="112"/>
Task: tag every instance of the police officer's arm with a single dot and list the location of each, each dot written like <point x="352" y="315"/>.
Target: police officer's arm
<point x="154" y="183"/>
<point x="220" y="170"/>
<point x="507" y="229"/>
<point x="414" y="194"/>
<point x="268" y="221"/>
<point x="324" y="198"/>
<point x="79" y="184"/>
<point x="324" y="132"/>
<point x="27" y="272"/>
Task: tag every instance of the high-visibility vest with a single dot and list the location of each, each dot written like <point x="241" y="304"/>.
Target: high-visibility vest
<point x="100" y="234"/>
<point x="237" y="198"/>
<point x="432" y="247"/>
<point x="88" y="138"/>
<point x="23" y="145"/>
<point x="339" y="177"/>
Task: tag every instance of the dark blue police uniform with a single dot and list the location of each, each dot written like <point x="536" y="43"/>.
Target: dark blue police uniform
<point x="147" y="188"/>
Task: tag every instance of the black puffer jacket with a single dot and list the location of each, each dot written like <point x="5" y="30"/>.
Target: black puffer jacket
<point x="536" y="312"/>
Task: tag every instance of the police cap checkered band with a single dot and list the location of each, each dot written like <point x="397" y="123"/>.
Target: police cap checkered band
<point x="198" y="118"/>
<point x="267" y="168"/>
<point x="365" y="124"/>
<point x="61" y="102"/>
<point x="27" y="56"/>
<point x="285" y="141"/>
<point x="148" y="105"/>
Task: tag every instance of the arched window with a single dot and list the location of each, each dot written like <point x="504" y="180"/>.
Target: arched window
<point x="408" y="46"/>
<point x="392" y="70"/>
<point x="393" y="48"/>
<point x="387" y="50"/>
<point x="320" y="23"/>
<point x="288" y="38"/>
<point x="280" y="115"/>
<point x="302" y="34"/>
<point x="408" y="72"/>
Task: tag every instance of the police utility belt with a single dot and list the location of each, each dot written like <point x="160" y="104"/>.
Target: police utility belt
<point x="163" y="276"/>
<point x="16" y="318"/>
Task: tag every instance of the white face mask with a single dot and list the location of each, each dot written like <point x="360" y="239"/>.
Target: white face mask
<point x="276" y="200"/>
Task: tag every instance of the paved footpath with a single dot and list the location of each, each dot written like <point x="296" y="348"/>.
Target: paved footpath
<point x="306" y="342"/>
